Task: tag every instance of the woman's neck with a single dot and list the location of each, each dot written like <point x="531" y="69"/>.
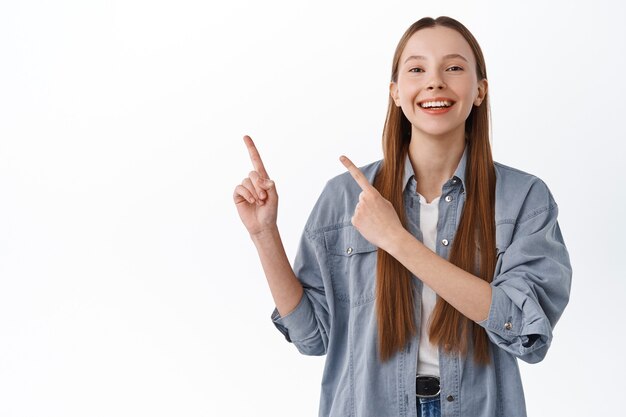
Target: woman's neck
<point x="434" y="160"/>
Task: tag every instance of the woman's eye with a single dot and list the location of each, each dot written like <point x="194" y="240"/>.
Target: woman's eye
<point x="416" y="70"/>
<point x="456" y="66"/>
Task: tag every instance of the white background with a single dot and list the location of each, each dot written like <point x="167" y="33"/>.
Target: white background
<point x="129" y="286"/>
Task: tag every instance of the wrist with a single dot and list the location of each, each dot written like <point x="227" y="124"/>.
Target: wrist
<point x="397" y="240"/>
<point x="269" y="233"/>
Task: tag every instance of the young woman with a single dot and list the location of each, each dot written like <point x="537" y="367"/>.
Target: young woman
<point x="423" y="276"/>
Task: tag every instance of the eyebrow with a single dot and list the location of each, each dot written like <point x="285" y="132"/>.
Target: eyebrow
<point x="445" y="57"/>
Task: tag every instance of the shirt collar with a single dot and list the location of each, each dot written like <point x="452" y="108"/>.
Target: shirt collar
<point x="459" y="173"/>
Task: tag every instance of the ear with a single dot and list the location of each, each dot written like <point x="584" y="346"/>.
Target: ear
<point x="482" y="91"/>
<point x="393" y="92"/>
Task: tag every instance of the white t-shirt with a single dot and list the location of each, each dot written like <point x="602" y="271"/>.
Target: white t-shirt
<point x="428" y="354"/>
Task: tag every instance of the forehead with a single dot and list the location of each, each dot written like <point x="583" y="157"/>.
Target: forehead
<point x="435" y="42"/>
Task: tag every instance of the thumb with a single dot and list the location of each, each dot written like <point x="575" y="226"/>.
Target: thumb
<point x="267" y="185"/>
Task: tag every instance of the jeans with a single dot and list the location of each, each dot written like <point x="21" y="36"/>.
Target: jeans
<point x="428" y="407"/>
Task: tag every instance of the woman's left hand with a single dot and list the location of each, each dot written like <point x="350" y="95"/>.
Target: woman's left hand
<point x="374" y="216"/>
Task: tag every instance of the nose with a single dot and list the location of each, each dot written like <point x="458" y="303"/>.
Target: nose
<point x="435" y="82"/>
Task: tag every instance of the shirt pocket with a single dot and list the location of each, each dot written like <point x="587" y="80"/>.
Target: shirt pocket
<point x="352" y="261"/>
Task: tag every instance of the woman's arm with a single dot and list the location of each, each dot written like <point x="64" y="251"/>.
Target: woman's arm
<point x="284" y="286"/>
<point x="466" y="292"/>
<point x="302" y="313"/>
<point x="376" y="219"/>
<point x="256" y="200"/>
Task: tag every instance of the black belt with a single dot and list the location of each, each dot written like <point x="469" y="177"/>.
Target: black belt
<point x="427" y="386"/>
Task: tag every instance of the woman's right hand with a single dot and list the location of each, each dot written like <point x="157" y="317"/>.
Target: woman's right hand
<point x="256" y="198"/>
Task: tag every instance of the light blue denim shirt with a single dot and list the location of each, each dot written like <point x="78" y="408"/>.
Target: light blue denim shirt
<point x="336" y="315"/>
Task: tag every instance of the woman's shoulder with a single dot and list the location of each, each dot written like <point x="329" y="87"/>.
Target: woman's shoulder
<point x="520" y="194"/>
<point x="513" y="173"/>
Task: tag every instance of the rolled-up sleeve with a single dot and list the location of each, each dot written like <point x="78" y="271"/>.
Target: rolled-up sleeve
<point x="308" y="325"/>
<point x="532" y="287"/>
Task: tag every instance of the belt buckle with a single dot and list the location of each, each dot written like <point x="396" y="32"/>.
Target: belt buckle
<point x="427" y="386"/>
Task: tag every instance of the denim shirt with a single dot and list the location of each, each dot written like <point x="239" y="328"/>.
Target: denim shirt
<point x="337" y="315"/>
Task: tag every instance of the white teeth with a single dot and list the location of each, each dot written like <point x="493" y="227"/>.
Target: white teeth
<point x="436" y="104"/>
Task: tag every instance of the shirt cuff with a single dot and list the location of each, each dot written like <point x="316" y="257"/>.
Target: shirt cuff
<point x="299" y="324"/>
<point x="516" y="322"/>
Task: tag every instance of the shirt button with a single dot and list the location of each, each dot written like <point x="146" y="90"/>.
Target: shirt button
<point x="445" y="242"/>
<point x="448" y="198"/>
<point x="508" y="325"/>
<point x="349" y="251"/>
<point x="454" y="181"/>
<point x="450" y="398"/>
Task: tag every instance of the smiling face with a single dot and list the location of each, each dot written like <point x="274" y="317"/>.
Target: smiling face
<point x="437" y="84"/>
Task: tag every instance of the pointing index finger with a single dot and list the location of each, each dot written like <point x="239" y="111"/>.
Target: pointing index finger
<point x="356" y="173"/>
<point x="255" y="157"/>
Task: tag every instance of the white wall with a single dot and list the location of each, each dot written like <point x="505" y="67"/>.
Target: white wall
<point x="128" y="285"/>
